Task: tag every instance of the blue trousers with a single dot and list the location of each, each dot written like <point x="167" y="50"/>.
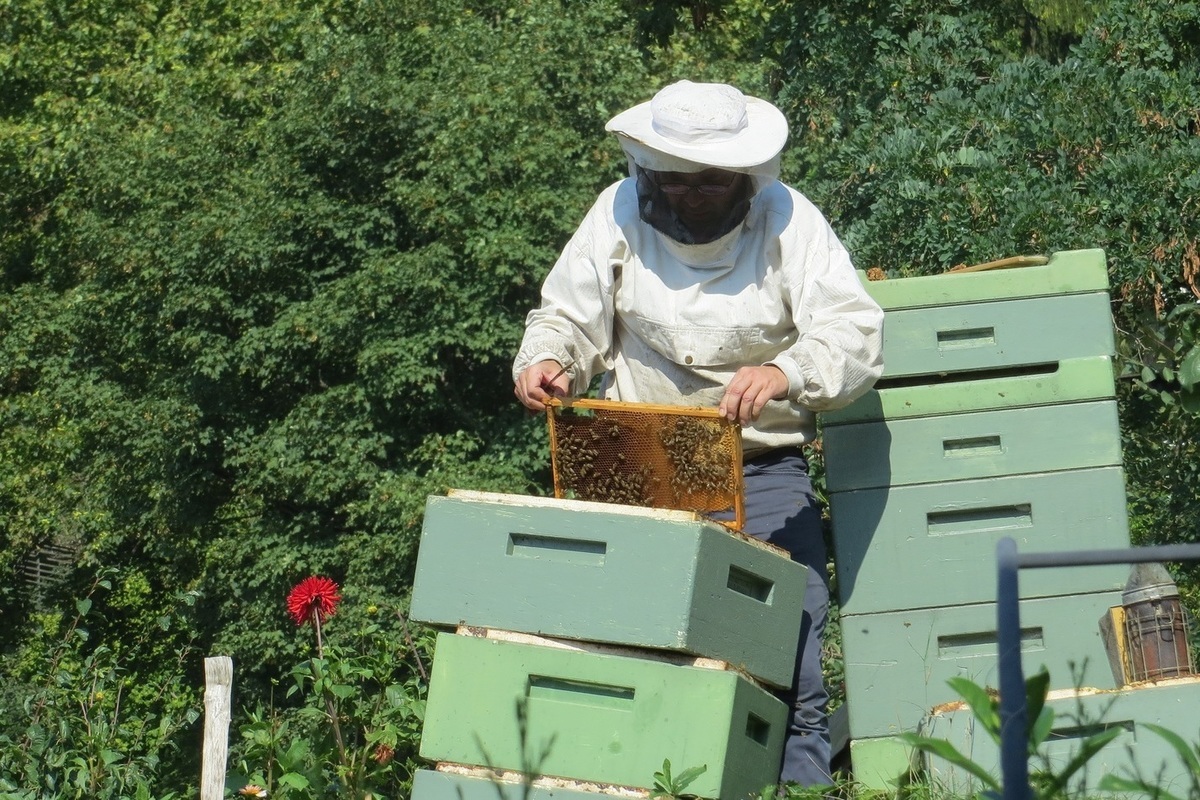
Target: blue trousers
<point x="782" y="509"/>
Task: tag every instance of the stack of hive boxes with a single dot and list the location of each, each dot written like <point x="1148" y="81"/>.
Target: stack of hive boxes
<point x="995" y="417"/>
<point x="586" y="643"/>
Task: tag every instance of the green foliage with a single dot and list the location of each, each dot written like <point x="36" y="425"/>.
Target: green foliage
<point x="354" y="723"/>
<point x="669" y="785"/>
<point x="1167" y="350"/>
<point x="1160" y="355"/>
<point x="262" y="271"/>
<point x="698" y="37"/>
<point x="79" y="726"/>
<point x="932" y="140"/>
<point x="263" y="265"/>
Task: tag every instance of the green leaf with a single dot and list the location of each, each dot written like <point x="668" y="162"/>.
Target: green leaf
<point x="1040" y="730"/>
<point x="946" y="751"/>
<point x="1187" y="754"/>
<point x="295" y="754"/>
<point x="1115" y="783"/>
<point x="1088" y="748"/>
<point x="294" y="780"/>
<point x="982" y="704"/>
<point x="1190" y="401"/>
<point x="662" y="780"/>
<point x="666" y="785"/>
<point x="685" y="778"/>
<point x="1189" y="369"/>
<point x="1039" y="718"/>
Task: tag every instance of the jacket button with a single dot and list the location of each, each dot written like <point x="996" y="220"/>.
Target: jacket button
<point x="688" y="359"/>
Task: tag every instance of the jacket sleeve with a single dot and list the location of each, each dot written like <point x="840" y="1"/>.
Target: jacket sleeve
<point x="838" y="353"/>
<point x="574" y="323"/>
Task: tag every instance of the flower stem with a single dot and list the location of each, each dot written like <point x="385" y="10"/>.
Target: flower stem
<point x="416" y="653"/>
<point x="330" y="707"/>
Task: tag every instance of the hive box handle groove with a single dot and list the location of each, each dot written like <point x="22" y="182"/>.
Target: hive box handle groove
<point x="966" y="337"/>
<point x="979" y="520"/>
<point x="984" y="643"/>
<point x="758" y="729"/>
<point x="565" y="690"/>
<point x="1087" y="731"/>
<point x="550" y="548"/>
<point x="753" y="586"/>
<point x="975" y="446"/>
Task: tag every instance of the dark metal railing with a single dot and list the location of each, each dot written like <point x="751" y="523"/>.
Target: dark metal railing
<point x="1014" y="757"/>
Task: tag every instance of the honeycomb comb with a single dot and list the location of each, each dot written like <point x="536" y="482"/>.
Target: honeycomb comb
<point x="654" y="456"/>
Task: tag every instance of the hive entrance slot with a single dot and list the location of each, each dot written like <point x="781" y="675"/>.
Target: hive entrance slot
<point x="925" y="379"/>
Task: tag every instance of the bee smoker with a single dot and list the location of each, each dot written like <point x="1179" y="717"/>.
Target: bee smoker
<point x="1155" y="628"/>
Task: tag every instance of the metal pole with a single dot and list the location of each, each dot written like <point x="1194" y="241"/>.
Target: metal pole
<point x="1130" y="555"/>
<point x="1014" y="760"/>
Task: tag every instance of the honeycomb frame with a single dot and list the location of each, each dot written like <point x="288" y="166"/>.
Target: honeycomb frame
<point x="648" y="455"/>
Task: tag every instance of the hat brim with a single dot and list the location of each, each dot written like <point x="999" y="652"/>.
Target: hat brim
<point x="760" y="141"/>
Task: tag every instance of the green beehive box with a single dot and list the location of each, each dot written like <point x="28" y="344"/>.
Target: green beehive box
<point x="882" y="762"/>
<point x="610" y="719"/>
<point x="435" y="785"/>
<point x="1071" y="380"/>
<point x="1136" y="752"/>
<point x="660" y="579"/>
<point x="897" y="663"/>
<point x="946" y="533"/>
<point x="1067" y="272"/>
<point x="984" y="444"/>
<point x="999" y="335"/>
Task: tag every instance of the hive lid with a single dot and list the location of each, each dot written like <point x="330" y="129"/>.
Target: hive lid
<point x="1065" y="272"/>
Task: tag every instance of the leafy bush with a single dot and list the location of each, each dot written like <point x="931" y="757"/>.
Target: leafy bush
<point x="352" y="721"/>
<point x="940" y="144"/>
<point x="262" y="270"/>
<point x="85" y="729"/>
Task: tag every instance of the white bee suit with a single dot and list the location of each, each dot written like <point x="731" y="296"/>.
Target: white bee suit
<point x="671" y="323"/>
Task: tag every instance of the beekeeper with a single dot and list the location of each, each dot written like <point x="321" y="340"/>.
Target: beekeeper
<point x="702" y="280"/>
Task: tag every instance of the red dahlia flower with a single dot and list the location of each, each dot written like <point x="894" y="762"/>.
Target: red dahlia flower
<point x="313" y="596"/>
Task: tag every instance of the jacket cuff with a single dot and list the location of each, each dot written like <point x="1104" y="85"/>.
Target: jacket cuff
<point x="540" y="351"/>
<point x="795" y="376"/>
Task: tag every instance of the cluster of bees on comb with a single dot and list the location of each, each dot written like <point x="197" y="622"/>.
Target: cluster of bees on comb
<point x="596" y="459"/>
<point x="699" y="464"/>
<point x="592" y="466"/>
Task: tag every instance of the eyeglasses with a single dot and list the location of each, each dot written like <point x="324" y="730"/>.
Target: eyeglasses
<point x="706" y="189"/>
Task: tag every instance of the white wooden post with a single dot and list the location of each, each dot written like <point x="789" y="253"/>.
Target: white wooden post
<point x="218" y="681"/>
